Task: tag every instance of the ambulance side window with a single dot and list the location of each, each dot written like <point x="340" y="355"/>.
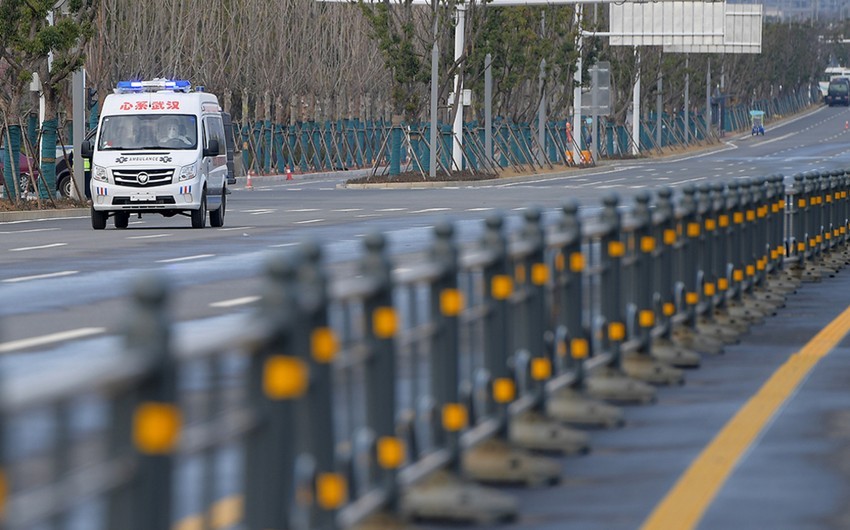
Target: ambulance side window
<point x="213" y="129"/>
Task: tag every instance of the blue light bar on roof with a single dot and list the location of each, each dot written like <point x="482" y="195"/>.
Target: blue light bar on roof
<point x="180" y="85"/>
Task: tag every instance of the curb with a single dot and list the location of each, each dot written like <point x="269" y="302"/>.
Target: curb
<point x="29" y="215"/>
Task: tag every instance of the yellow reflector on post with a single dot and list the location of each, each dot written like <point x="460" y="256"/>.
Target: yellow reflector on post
<point x="646" y="318"/>
<point x="737" y="218"/>
<point x="451" y="302"/>
<point x="723" y="221"/>
<point x="539" y="274"/>
<point x="751" y="271"/>
<point x="576" y="262"/>
<point x="455" y="417"/>
<point x="738" y="275"/>
<point x="501" y="286"/>
<point x="801" y="247"/>
<point x="647" y="244"/>
<point x="616" y="249"/>
<point x="285" y="377"/>
<point x="384" y="322"/>
<point x="323" y="345"/>
<point x="579" y="349"/>
<point x="693" y="230"/>
<point x="331" y="490"/>
<point x="541" y="369"/>
<point x="390" y="452"/>
<point x="722" y="284"/>
<point x="669" y="309"/>
<point x="710" y="224"/>
<point x="504" y="390"/>
<point x="708" y="289"/>
<point x="156" y="428"/>
<point x="669" y="237"/>
<point x="691" y="298"/>
<point x="616" y="331"/>
<point x="801" y="203"/>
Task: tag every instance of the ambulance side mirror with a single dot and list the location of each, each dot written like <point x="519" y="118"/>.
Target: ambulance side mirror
<point x="85" y="149"/>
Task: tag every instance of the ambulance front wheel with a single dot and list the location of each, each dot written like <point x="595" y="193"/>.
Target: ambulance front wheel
<point x="199" y="216"/>
<point x="98" y="219"/>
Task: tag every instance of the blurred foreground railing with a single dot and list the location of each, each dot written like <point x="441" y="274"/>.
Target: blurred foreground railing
<point x="393" y="394"/>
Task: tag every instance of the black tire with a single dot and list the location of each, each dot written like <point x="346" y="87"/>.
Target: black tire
<point x="98" y="219"/>
<point x="199" y="216"/>
<point x="121" y="219"/>
<point x="217" y="216"/>
<point x="65" y="185"/>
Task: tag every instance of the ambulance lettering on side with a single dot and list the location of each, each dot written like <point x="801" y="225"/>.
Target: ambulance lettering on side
<point x="160" y="148"/>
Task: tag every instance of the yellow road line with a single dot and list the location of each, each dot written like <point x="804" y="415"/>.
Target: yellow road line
<point x="686" y="502"/>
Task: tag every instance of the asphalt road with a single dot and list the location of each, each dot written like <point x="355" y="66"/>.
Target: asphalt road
<point x="60" y="280"/>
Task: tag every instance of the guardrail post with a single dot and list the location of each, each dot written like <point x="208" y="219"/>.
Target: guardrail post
<point x="533" y="429"/>
<point x="157" y="421"/>
<point x="317" y="346"/>
<point x="664" y="231"/>
<point x="277" y="377"/>
<point x="571" y="343"/>
<point x="494" y="460"/>
<point x="381" y="328"/>
<point x="640" y="363"/>
<point x="688" y="229"/>
<point x="499" y="331"/>
<point x="762" y="196"/>
<point x="611" y="383"/>
<point x="447" y="304"/>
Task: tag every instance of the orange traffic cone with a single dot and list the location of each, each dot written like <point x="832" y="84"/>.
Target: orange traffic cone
<point x="288" y="173"/>
<point x="249" y="185"/>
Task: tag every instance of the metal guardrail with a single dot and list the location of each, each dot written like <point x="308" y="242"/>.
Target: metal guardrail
<point x="394" y="393"/>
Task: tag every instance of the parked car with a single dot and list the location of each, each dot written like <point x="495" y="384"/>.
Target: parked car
<point x="24" y="165"/>
<point x="64" y="167"/>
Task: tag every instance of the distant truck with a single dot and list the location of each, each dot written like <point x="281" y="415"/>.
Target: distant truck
<point x="838" y="92"/>
<point x="160" y="148"/>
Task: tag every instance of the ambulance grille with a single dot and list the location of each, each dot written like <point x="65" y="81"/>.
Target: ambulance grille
<point x="149" y="177"/>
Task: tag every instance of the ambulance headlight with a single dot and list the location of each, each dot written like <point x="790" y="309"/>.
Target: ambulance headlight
<point x="99" y="173"/>
<point x="187" y="173"/>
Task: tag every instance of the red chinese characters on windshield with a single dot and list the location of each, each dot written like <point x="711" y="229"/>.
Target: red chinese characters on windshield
<point x="154" y="105"/>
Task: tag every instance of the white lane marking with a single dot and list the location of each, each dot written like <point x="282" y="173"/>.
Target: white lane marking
<point x="40" y="276"/>
<point x="773" y="140"/>
<point x="482" y="209"/>
<point x="151" y="236"/>
<point x="39" y="247"/>
<point x="304" y="210"/>
<point x="308" y="221"/>
<point x="27" y="221"/>
<point x="369" y="215"/>
<point x="7" y="347"/>
<point x="348" y="210"/>
<point x="236" y="301"/>
<point x="426" y="210"/>
<point x="391" y="210"/>
<point x="281" y="245"/>
<point x="186" y="258"/>
<point x="259" y="212"/>
<point x="30" y="231"/>
<point x="231" y="228"/>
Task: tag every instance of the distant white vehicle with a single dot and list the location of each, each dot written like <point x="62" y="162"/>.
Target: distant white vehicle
<point x="829" y="74"/>
<point x="160" y="148"/>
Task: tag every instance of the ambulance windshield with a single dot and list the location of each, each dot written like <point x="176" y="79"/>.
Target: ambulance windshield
<point x="148" y="131"/>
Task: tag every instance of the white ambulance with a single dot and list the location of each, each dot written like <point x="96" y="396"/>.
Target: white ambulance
<point x="160" y="148"/>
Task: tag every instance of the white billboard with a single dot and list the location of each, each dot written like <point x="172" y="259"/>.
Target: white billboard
<point x="741" y="32"/>
<point x="687" y="26"/>
<point x="680" y="23"/>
